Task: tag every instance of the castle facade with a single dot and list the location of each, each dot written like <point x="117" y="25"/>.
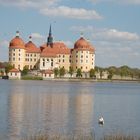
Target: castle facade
<point x="51" y="54"/>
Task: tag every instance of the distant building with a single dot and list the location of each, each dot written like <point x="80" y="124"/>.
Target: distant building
<point x="51" y="54"/>
<point x="47" y="74"/>
<point x="14" y="74"/>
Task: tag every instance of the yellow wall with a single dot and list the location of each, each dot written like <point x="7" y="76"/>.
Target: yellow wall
<point x="82" y="59"/>
<point x="32" y="60"/>
<point x="17" y="58"/>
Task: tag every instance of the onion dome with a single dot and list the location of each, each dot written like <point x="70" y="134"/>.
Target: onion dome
<point x="31" y="47"/>
<point x="17" y="42"/>
<point x="83" y="44"/>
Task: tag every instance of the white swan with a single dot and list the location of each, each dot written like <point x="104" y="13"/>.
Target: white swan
<point x="101" y="120"/>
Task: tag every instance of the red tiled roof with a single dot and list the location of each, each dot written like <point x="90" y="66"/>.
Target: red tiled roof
<point x="17" y="43"/>
<point x="82" y="44"/>
<point x="31" y="48"/>
<point x="47" y="72"/>
<point x="14" y="70"/>
<point x="56" y="48"/>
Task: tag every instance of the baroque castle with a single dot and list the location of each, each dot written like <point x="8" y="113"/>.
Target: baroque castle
<point x="51" y="54"/>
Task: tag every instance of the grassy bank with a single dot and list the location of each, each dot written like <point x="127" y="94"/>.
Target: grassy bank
<point x="81" y="137"/>
<point x="31" y="78"/>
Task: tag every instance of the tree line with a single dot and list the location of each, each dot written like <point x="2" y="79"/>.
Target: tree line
<point x="122" y="71"/>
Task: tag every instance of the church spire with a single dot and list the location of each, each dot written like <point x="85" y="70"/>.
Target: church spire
<point x="50" y="38"/>
<point x="50" y="30"/>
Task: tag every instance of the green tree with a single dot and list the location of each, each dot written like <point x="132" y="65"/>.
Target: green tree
<point x="71" y="71"/>
<point x="79" y="73"/>
<point x="62" y="71"/>
<point x="25" y="70"/>
<point x="56" y="72"/>
<point x="8" y="67"/>
<point x="92" y="73"/>
<point x="101" y="74"/>
<point x="132" y="74"/>
<point x="2" y="73"/>
<point x="124" y="71"/>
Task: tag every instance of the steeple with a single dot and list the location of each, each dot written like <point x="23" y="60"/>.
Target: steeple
<point x="50" y="31"/>
<point x="50" y="38"/>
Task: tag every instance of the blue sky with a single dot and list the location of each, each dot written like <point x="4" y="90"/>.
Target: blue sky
<point x="112" y="26"/>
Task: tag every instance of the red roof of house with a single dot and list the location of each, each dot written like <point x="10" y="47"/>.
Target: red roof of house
<point x="14" y="70"/>
<point x="47" y="71"/>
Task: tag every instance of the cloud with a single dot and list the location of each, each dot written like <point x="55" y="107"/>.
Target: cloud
<point x="67" y="12"/>
<point x="37" y="36"/>
<point x="109" y="53"/>
<point x="115" y="35"/>
<point x="29" y="3"/>
<point x="38" y="39"/>
<point x="52" y="8"/>
<point x="117" y="1"/>
<point x="68" y="43"/>
<point x="105" y="34"/>
<point x="113" y="47"/>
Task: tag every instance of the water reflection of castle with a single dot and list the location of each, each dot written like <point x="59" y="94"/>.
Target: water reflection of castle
<point x="51" y="113"/>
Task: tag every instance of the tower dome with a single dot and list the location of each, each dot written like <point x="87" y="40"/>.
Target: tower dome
<point x="31" y="47"/>
<point x="83" y="44"/>
<point x="17" y="42"/>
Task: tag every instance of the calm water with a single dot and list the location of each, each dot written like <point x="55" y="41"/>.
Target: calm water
<point x="41" y="107"/>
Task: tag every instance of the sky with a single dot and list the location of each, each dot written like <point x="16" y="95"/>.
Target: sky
<point x="112" y="26"/>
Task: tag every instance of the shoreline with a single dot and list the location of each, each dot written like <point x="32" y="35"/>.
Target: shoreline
<point x="92" y="80"/>
<point x="80" y="80"/>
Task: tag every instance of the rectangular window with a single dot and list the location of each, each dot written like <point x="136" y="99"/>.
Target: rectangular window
<point x="35" y="60"/>
<point x="43" y="64"/>
<point x="63" y="60"/>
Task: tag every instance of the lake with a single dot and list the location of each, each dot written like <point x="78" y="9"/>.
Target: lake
<point x="64" y="108"/>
